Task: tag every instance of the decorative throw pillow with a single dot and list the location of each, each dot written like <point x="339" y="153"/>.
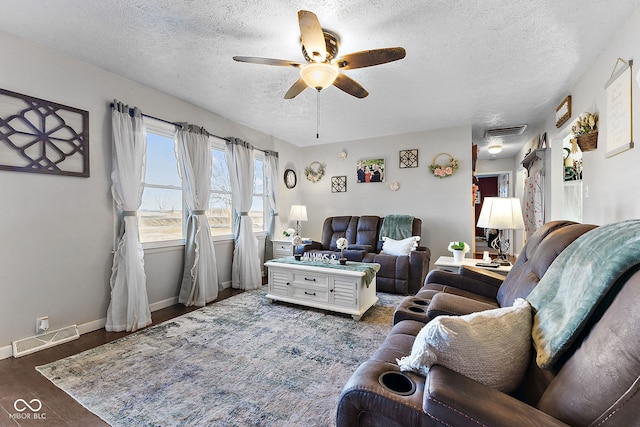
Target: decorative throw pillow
<point x="399" y="247"/>
<point x="491" y="347"/>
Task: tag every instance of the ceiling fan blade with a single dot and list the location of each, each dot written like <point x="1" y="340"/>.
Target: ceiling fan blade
<point x="267" y="61"/>
<point x="312" y="36"/>
<point x="350" y="86"/>
<point x="296" y="89"/>
<point x="367" y="58"/>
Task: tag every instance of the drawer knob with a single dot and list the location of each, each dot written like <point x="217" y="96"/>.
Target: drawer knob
<point x="310" y="280"/>
<point x="310" y="293"/>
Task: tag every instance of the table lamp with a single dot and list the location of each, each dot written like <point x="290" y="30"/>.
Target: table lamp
<point x="298" y="213"/>
<point x="501" y="213"/>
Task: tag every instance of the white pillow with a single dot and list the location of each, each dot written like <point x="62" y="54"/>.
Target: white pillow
<point x="399" y="247"/>
<point x="491" y="347"/>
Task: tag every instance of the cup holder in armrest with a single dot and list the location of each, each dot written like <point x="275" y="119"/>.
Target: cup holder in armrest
<point x="397" y="382"/>
<point x="416" y="309"/>
<point x="420" y="301"/>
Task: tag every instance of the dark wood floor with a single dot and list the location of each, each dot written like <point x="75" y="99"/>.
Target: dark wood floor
<point x="20" y="380"/>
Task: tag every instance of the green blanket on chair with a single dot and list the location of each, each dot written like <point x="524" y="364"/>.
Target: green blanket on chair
<point x="576" y="282"/>
<point x="397" y="227"/>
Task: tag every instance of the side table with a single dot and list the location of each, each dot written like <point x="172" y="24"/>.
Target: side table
<point x="447" y="263"/>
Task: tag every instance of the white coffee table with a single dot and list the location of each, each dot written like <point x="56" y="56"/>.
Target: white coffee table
<point x="328" y="288"/>
<point x="447" y="263"/>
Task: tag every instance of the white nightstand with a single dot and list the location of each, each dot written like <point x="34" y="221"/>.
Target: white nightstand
<point x="447" y="263"/>
<point x="282" y="248"/>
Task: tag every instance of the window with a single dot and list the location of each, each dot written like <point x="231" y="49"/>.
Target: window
<point x="219" y="213"/>
<point x="260" y="202"/>
<point x="220" y="206"/>
<point x="161" y="212"/>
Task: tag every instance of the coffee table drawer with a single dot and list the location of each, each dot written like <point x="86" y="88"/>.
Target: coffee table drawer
<point x="311" y="293"/>
<point x="310" y="279"/>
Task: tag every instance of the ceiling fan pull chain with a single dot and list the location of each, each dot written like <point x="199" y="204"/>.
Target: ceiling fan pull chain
<point x="318" y="114"/>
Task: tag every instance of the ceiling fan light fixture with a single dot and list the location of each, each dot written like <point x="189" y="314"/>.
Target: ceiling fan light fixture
<point x="319" y="75"/>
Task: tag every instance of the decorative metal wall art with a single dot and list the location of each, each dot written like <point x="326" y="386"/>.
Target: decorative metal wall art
<point x="338" y="184"/>
<point x="41" y="136"/>
<point x="408" y="159"/>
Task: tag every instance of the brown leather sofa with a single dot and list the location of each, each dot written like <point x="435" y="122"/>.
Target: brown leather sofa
<point x="397" y="274"/>
<point x="597" y="382"/>
<point x="476" y="289"/>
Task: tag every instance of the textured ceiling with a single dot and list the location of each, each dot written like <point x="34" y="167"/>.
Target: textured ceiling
<point x="487" y="63"/>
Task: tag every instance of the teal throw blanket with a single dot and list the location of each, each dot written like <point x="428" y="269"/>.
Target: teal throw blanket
<point x="368" y="268"/>
<point x="397" y="227"/>
<point x="576" y="282"/>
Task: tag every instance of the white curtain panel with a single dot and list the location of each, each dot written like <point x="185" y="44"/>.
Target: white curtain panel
<point x="272" y="174"/>
<point x="533" y="202"/>
<point x="245" y="268"/>
<point x="200" y="275"/>
<point x="129" y="306"/>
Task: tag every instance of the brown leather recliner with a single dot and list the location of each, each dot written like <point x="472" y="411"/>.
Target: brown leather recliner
<point x="597" y="382"/>
<point x="475" y="289"/>
<point x="397" y="274"/>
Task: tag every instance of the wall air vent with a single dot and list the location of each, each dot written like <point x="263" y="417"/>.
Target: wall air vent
<point x="40" y="342"/>
<point x="505" y="131"/>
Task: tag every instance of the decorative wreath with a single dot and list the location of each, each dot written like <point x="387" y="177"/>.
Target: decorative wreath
<point x="443" y="170"/>
<point x="314" y="172"/>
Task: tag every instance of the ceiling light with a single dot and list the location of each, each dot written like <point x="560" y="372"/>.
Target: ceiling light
<point x="319" y="75"/>
<point x="494" y="147"/>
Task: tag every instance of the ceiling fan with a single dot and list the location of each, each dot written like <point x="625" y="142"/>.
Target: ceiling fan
<point x="320" y="48"/>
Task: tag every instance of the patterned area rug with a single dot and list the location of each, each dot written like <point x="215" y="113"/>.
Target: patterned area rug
<point x="240" y="362"/>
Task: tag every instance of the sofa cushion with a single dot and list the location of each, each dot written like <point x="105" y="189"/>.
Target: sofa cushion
<point x="400" y="247"/>
<point x="491" y="347"/>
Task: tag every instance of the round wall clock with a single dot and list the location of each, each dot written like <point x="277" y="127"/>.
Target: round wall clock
<point x="290" y="179"/>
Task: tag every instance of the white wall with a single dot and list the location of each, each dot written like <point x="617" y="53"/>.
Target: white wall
<point x="58" y="232"/>
<point x="611" y="183"/>
<point x="443" y="204"/>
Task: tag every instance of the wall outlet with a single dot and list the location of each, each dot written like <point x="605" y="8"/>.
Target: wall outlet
<point x="42" y="324"/>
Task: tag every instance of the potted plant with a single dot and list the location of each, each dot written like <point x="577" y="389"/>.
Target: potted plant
<point x="585" y="132"/>
<point x="458" y="249"/>
<point x="342" y="244"/>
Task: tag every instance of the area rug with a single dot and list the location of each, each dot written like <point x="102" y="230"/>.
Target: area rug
<point x="239" y="362"/>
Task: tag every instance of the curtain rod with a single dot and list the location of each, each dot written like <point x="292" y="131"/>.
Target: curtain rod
<point x="208" y="133"/>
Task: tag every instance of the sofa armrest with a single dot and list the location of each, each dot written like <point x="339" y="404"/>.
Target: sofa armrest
<point x="454" y="399"/>
<point x="482" y="274"/>
<point x="418" y="268"/>
<point x="309" y="245"/>
<point x="479" y="283"/>
<point x="444" y="304"/>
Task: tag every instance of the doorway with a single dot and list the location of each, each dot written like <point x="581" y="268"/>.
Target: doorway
<point x="496" y="184"/>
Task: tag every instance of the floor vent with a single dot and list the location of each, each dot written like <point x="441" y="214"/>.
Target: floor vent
<point x="40" y="342"/>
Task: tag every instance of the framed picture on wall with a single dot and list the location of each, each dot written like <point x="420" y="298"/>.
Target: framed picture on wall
<point x="408" y="158"/>
<point x="370" y="170"/>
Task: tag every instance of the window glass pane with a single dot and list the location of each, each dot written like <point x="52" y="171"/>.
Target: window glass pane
<point x="257" y="213"/>
<point x="162" y="166"/>
<point x="160" y="215"/>
<point x="219" y="214"/>
<point x="258" y="176"/>
<point x="161" y="210"/>
<point x="219" y="171"/>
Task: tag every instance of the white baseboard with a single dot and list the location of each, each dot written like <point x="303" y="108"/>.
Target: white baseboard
<point x="6" y="352"/>
<point x="85" y="328"/>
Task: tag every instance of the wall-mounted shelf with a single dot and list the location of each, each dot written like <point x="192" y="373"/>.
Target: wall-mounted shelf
<point x="532" y="157"/>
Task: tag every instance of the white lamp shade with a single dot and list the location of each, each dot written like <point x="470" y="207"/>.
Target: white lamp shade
<point x="501" y="213"/>
<point x="319" y="75"/>
<point x="298" y="213"/>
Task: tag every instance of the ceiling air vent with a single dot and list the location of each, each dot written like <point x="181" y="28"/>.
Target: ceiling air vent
<point x="505" y="131"/>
